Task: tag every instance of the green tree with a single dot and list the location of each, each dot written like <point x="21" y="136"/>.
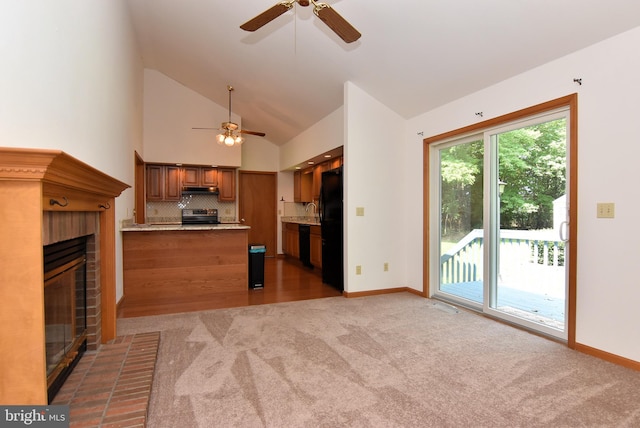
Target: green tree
<point x="532" y="163"/>
<point x="461" y="187"/>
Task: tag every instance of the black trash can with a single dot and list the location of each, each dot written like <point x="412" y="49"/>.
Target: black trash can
<point x="256" y="265"/>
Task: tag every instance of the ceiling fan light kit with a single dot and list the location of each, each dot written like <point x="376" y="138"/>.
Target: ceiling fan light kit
<point x="230" y="135"/>
<point x="326" y="13"/>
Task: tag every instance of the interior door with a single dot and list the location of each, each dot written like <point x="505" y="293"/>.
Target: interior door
<point x="257" y="206"/>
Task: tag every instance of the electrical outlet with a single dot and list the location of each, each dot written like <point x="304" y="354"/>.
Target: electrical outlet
<point x="606" y="210"/>
<point x="386" y="266"/>
<point x="360" y="211"/>
<point x="358" y="270"/>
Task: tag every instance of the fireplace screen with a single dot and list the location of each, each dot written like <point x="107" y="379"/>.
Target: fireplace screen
<point x="64" y="308"/>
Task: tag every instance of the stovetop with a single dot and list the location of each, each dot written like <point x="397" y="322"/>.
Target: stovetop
<point x="200" y="216"/>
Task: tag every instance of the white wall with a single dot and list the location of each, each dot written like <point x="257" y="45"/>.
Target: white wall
<point x="608" y="153"/>
<point x="258" y="154"/>
<point x="325" y="135"/>
<point x="170" y="111"/>
<point x="71" y="79"/>
<point x="374" y="181"/>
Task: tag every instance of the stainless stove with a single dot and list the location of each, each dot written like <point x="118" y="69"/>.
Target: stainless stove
<point x="200" y="216"/>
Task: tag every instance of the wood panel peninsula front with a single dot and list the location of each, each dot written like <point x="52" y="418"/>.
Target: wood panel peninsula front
<point x="199" y="265"/>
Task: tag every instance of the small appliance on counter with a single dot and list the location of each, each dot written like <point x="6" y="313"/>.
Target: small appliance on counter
<point x="200" y="216"/>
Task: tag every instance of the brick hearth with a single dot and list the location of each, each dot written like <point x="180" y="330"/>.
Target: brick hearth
<point x="111" y="387"/>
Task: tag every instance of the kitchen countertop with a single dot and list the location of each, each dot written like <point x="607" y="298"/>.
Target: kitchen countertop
<point x="165" y="227"/>
<point x="313" y="221"/>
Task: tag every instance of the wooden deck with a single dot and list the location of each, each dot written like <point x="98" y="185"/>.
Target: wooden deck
<point x="542" y="306"/>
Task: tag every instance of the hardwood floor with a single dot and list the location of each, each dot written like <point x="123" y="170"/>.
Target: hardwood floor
<point x="285" y="280"/>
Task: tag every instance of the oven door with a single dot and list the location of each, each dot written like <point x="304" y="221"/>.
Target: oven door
<point x="199" y="219"/>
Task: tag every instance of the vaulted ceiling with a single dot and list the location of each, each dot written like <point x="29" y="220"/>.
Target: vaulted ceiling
<point x="413" y="55"/>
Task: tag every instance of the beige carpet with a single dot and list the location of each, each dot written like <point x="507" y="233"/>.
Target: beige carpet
<point x="394" y="360"/>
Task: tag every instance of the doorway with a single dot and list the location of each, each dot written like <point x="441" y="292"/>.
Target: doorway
<point x="499" y="211"/>
<point x="257" y="207"/>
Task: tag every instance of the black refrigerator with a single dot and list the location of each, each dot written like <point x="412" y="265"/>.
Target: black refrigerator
<point x="331" y="194"/>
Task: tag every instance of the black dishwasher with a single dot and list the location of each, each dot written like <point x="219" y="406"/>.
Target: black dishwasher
<point x="304" y="239"/>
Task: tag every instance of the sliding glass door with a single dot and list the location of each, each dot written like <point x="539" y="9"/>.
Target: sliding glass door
<point x="502" y="217"/>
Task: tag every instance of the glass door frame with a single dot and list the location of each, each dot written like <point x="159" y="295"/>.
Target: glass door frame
<point x="492" y="219"/>
<point x="431" y="221"/>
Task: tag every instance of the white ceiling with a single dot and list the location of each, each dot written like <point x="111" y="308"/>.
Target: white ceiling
<point x="414" y="55"/>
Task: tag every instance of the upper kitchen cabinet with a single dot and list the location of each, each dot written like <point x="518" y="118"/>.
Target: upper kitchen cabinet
<point x="307" y="182"/>
<point x="209" y="176"/>
<point x="227" y="184"/>
<point x="199" y="176"/>
<point x="163" y="183"/>
<point x="303" y="185"/>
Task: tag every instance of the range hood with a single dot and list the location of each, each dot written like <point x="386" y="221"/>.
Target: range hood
<point x="199" y="190"/>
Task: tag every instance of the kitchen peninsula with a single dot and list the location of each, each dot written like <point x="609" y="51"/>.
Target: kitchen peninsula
<point x="197" y="264"/>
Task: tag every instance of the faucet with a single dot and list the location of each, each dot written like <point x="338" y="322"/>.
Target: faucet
<point x="315" y="208"/>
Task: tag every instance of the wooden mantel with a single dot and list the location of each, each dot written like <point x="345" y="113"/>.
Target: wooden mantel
<point x="33" y="181"/>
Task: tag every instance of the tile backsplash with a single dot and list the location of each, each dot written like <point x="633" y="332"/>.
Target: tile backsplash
<point x="171" y="212"/>
<point x="299" y="211"/>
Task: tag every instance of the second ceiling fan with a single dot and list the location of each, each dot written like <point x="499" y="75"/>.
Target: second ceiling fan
<point x="326" y="13"/>
<point x="230" y="130"/>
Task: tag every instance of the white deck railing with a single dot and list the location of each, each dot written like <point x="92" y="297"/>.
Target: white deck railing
<point x="463" y="262"/>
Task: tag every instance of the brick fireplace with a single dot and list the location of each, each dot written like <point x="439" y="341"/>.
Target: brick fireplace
<point x="62" y="226"/>
<point x="49" y="196"/>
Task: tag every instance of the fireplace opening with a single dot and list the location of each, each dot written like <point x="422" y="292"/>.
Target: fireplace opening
<point x="65" y="309"/>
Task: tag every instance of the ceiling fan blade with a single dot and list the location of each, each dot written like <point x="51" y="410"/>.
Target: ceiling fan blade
<point x="267" y="16"/>
<point x="259" y="134"/>
<point x="216" y="129"/>
<point x="337" y="23"/>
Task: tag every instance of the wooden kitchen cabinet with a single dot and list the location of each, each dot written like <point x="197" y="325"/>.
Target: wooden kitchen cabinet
<point x="155" y="182"/>
<point x="297" y="186"/>
<point x="209" y="176"/>
<point x="173" y="183"/>
<point x="335" y="163"/>
<point x="292" y="239"/>
<point x="227" y="184"/>
<point x="164" y="183"/>
<point x="303" y="185"/>
<point x="315" y="243"/>
<point x="199" y="176"/>
<point x="191" y="176"/>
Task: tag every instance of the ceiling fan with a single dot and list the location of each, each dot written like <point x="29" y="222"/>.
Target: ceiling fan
<point x="228" y="137"/>
<point x="326" y="13"/>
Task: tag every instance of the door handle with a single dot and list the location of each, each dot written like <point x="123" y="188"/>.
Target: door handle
<point x="562" y="231"/>
<point x="242" y="220"/>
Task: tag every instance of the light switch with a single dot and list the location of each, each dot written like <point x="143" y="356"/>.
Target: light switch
<point x="358" y="270"/>
<point x="606" y="210"/>
<point x="360" y="211"/>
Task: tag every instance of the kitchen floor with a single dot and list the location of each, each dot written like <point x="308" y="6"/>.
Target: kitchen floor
<point x="285" y="280"/>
